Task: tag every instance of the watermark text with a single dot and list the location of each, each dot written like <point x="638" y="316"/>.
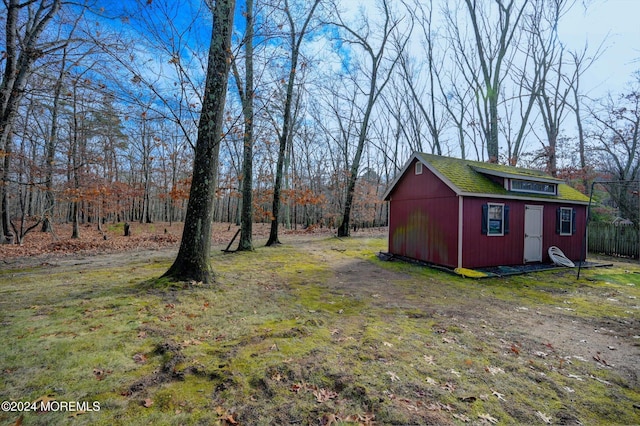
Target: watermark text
<point x="47" y="404"/>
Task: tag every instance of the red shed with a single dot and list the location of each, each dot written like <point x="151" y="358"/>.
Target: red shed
<point x="469" y="214"/>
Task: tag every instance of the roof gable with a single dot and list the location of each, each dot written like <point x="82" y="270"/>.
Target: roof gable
<point x="471" y="178"/>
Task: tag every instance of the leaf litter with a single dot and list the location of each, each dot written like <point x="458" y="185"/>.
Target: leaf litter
<point x="436" y="385"/>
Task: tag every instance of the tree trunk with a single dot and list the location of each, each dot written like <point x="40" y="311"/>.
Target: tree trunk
<point x="192" y="262"/>
<point x="286" y="126"/>
<point x="19" y="55"/>
<point x="4" y="184"/>
<point x="75" y="232"/>
<point x="375" y="88"/>
<point x="491" y="60"/>
<point x="277" y="189"/>
<point x="246" y="217"/>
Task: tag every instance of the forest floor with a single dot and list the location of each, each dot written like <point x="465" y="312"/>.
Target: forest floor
<point x="317" y="330"/>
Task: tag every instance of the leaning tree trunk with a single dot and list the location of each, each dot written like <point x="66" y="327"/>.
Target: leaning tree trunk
<point x="192" y="262"/>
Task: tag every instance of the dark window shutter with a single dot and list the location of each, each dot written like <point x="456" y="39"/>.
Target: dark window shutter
<point x="506" y="220"/>
<point x="558" y="220"/>
<point x="573" y="221"/>
<point x="485" y="218"/>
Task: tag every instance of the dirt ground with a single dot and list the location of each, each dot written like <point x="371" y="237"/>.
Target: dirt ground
<point x="615" y="343"/>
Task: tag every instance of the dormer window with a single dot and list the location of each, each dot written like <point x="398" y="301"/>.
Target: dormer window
<point x="545" y="188"/>
<point x="521" y="180"/>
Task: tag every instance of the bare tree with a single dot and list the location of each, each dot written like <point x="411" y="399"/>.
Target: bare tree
<point x="580" y="61"/>
<point x="495" y="35"/>
<point x="51" y="139"/>
<point x="192" y="261"/>
<point x="616" y="136"/>
<point x="555" y="81"/>
<point x="378" y="74"/>
<point x="425" y="92"/>
<point x="247" y="98"/>
<point x="296" y="36"/>
<point x="24" y="25"/>
<point x="457" y="100"/>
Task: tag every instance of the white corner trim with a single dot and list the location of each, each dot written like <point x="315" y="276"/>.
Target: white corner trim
<point x="460" y="228"/>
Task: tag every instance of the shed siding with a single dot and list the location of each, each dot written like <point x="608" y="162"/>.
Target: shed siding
<point x="423" y="219"/>
<point x="484" y="251"/>
<point x="571" y="245"/>
<point x="426" y="185"/>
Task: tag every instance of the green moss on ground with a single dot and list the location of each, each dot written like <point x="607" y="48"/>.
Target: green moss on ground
<point x="284" y="336"/>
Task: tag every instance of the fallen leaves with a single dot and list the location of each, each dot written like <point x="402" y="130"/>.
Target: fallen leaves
<point x="419" y="405"/>
<point x="515" y="349"/>
<point x="93" y="241"/>
<point x="365" y="419"/>
<point x="462" y="418"/>
<point x="140" y="358"/>
<point x="393" y="376"/>
<point x="190" y="342"/>
<point x="488" y="418"/>
<point x="321" y="394"/>
<point x="498" y="395"/>
<point x="44" y="400"/>
<point x="324" y="395"/>
<point x="494" y="370"/>
<point x="597" y="379"/>
<point x="346" y="375"/>
<point x="544" y="417"/>
<point x="601" y="360"/>
<point x="226" y="418"/>
<point x="449" y="387"/>
<point x="100" y="373"/>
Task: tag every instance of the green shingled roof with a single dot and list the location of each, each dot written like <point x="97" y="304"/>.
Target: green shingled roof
<point x="461" y="174"/>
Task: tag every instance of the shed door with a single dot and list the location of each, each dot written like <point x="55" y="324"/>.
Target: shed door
<point x="533" y="233"/>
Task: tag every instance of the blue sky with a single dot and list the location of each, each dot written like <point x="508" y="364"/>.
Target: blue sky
<point x="617" y="24"/>
<point x="614" y="22"/>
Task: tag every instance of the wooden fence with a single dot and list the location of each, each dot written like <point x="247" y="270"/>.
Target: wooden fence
<point x="613" y="240"/>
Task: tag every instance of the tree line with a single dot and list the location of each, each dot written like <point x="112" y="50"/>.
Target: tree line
<point x="103" y="106"/>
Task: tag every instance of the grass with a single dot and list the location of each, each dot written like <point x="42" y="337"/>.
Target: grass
<point x="320" y="332"/>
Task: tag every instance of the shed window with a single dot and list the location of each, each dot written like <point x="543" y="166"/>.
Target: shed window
<point x="495" y="219"/>
<point x="418" y="168"/>
<point x="566" y="221"/>
<point x="534" y="187"/>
